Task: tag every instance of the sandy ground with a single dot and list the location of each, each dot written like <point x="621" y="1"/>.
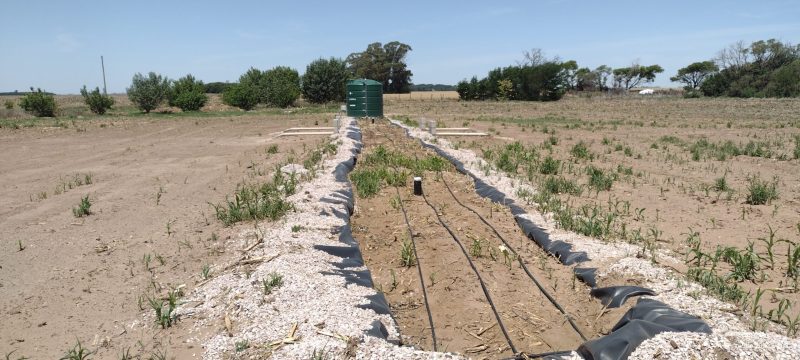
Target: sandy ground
<point x="462" y="317"/>
<point x="668" y="194"/>
<point x="65" y="279"/>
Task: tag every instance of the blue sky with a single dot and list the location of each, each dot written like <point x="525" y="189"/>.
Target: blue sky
<point x="56" y="45"/>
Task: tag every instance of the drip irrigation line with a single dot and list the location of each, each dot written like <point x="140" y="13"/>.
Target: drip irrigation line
<point x="471" y="264"/>
<point x="419" y="269"/>
<point x="519" y="259"/>
<point x="477" y="274"/>
<point x="526" y="356"/>
<point x="419" y="265"/>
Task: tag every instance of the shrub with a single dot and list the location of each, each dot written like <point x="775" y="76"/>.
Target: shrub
<point x="560" y="185"/>
<point x="98" y="103"/>
<point x="258" y="202"/>
<point x="256" y="80"/>
<point x="282" y="85"/>
<point x="598" y="179"/>
<point x="83" y="209"/>
<point x="692" y="94"/>
<point x="785" y="81"/>
<point x="761" y="192"/>
<point x="550" y="166"/>
<point x="325" y="80"/>
<point x="147" y="93"/>
<point x="187" y="94"/>
<point x="39" y="103"/>
<point x="242" y="96"/>
<point x="9" y="104"/>
<point x="581" y="151"/>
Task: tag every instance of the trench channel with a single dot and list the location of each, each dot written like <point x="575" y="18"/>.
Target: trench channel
<point x="489" y="291"/>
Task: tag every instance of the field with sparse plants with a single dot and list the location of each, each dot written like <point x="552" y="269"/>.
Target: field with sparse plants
<point x="107" y="222"/>
<point x="715" y="181"/>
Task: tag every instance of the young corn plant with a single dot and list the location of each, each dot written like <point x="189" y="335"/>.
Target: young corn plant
<point x="769" y="244"/>
<point x="744" y="262"/>
<point x="756" y="310"/>
<point x="78" y="352"/>
<point x="394" y="283"/>
<point x="476" y="248"/>
<point x="205" y="272"/>
<point x="793" y="262"/>
<point x="407" y="254"/>
<point x="165" y="313"/>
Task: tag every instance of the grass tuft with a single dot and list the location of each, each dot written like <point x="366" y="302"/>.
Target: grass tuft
<point x="274" y="281"/>
<point x="258" y="202"/>
<point x="761" y="192"/>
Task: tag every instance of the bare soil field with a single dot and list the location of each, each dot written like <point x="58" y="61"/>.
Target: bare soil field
<point x="105" y="219"/>
<point x="716" y="181"/>
<point x="464" y="318"/>
<point x="151" y="228"/>
<point x="422" y="95"/>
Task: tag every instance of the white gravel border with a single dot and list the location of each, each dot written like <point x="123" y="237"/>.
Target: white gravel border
<point x="673" y="289"/>
<point x="307" y="298"/>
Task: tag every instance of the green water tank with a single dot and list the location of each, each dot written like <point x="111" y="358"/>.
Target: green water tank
<point x="364" y="98"/>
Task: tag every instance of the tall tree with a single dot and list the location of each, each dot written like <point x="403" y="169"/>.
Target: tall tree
<point x="325" y="80"/>
<point x="694" y="74"/>
<point x="631" y="77"/>
<point x="383" y="63"/>
<point x="602" y="73"/>
<point x="570" y="71"/>
<point x="148" y="92"/>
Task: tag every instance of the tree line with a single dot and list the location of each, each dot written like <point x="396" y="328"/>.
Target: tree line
<point x="768" y="68"/>
<point x="324" y="81"/>
<point x="538" y="78"/>
<point x="765" y="68"/>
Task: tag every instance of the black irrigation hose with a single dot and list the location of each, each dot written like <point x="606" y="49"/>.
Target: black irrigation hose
<point x="419" y="266"/>
<point x="519" y="259"/>
<point x="419" y="269"/>
<point x="525" y="356"/>
<point x="471" y="264"/>
<point x="477" y="274"/>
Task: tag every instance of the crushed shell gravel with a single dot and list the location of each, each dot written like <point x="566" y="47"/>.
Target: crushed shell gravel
<point x="308" y="298"/>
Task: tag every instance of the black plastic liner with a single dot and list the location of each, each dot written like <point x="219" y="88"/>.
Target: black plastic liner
<point x="615" y="296"/>
<point x="643" y="321"/>
<point x="349" y="252"/>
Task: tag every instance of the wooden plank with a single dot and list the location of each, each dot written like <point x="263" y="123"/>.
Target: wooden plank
<point x="309" y="128"/>
<point x="307" y="133"/>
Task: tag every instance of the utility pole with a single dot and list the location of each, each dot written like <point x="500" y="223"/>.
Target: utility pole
<point x="103" y="65"/>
